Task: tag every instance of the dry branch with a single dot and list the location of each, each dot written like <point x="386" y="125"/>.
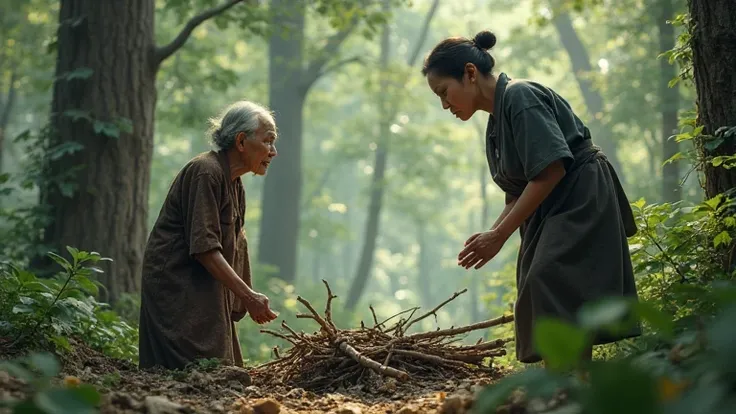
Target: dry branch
<point x="331" y="357"/>
<point x="369" y="363"/>
<point x="434" y="311"/>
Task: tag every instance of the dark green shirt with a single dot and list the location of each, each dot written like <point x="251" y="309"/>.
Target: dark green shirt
<point x="532" y="126"/>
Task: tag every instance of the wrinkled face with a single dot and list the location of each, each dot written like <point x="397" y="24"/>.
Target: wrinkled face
<point x="257" y="151"/>
<point x="457" y="97"/>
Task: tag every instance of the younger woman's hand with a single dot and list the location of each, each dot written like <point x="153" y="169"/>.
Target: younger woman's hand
<point x="480" y="248"/>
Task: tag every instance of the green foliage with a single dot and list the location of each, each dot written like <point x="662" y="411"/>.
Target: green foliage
<point x="63" y="306"/>
<point x="38" y="370"/>
<point x="693" y="376"/>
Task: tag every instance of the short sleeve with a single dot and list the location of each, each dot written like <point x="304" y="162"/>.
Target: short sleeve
<point x="202" y="223"/>
<point x="537" y="135"/>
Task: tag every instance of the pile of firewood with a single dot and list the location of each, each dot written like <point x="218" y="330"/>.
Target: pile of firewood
<point x="334" y="357"/>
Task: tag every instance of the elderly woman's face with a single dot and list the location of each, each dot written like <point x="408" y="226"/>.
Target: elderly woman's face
<point x="258" y="151"/>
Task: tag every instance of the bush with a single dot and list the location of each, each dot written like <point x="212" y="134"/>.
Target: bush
<point x="54" y="309"/>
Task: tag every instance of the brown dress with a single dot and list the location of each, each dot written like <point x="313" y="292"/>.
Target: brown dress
<point x="573" y="248"/>
<point x="187" y="314"/>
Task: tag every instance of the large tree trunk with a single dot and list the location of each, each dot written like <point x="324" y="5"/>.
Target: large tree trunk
<point x="283" y="185"/>
<point x="109" y="49"/>
<point x="669" y="104"/>
<point x="107" y="210"/>
<point x="580" y="62"/>
<point x="714" y="59"/>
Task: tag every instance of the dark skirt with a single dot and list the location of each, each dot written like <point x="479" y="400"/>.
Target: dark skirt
<point x="574" y="250"/>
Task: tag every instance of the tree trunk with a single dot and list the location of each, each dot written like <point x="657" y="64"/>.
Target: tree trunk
<point x="107" y="210"/>
<point x="283" y="185"/>
<point x="379" y="169"/>
<point x="377" y="181"/>
<point x="714" y="59"/>
<point x="106" y="79"/>
<point x="669" y="104"/>
<point x="580" y="61"/>
<point x="6" y="108"/>
<point x="424" y="266"/>
<point x="289" y="82"/>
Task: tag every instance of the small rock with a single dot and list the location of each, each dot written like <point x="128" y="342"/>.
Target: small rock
<point x="161" y="405"/>
<point x="349" y="409"/>
<point x="236" y="386"/>
<point x="124" y="401"/>
<point x="228" y="374"/>
<point x="218" y="408"/>
<point x="407" y="410"/>
<point x="452" y="405"/>
<point x="267" y="406"/>
<point x="252" y="391"/>
<point x="199" y="379"/>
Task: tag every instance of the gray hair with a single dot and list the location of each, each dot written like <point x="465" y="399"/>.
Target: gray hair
<point x="242" y="116"/>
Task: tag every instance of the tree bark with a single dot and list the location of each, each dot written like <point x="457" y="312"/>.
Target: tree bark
<point x="106" y="211"/>
<point x="283" y="186"/>
<point x="379" y="169"/>
<point x="372" y="222"/>
<point x="669" y="104"/>
<point x="424" y="266"/>
<point x="289" y="84"/>
<point x="580" y="61"/>
<point x="6" y="108"/>
<point x="714" y="59"/>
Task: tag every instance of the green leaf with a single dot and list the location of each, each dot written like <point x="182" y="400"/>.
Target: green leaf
<point x="60" y="260"/>
<point x="722" y="238"/>
<point x="16" y="370"/>
<point x="603" y="314"/>
<point x="559" y="343"/>
<point x="639" y="204"/>
<point x="27" y="407"/>
<point x="74" y="252"/>
<point x="659" y="320"/>
<point x="712" y="144"/>
<point x="61" y="342"/>
<point x="677" y="156"/>
<point x="87" y="285"/>
<point x="22" y="309"/>
<point x="620" y="387"/>
<point x="88" y="394"/>
<point x="536" y="381"/>
<point x="25" y="276"/>
<point x="46" y="363"/>
<point x="106" y="128"/>
<point x="62" y="401"/>
<point x="77" y="114"/>
<point x="124" y="124"/>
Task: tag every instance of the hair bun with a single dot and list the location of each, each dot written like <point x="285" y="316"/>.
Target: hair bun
<point x="485" y="40"/>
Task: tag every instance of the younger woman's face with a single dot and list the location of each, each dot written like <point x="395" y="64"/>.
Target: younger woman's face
<point x="458" y="97"/>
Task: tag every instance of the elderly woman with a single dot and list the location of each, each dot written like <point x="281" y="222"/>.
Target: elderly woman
<point x="561" y="192"/>
<point x="196" y="271"/>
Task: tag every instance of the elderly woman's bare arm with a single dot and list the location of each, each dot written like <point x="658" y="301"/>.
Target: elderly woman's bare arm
<point x="218" y="267"/>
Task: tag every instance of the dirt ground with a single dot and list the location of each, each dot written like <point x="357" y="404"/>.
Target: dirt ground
<point x="126" y="389"/>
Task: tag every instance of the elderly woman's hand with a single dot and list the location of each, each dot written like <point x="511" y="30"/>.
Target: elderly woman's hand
<point x="258" y="308"/>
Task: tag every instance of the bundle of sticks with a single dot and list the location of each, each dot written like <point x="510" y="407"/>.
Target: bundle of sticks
<point x="333" y="357"/>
